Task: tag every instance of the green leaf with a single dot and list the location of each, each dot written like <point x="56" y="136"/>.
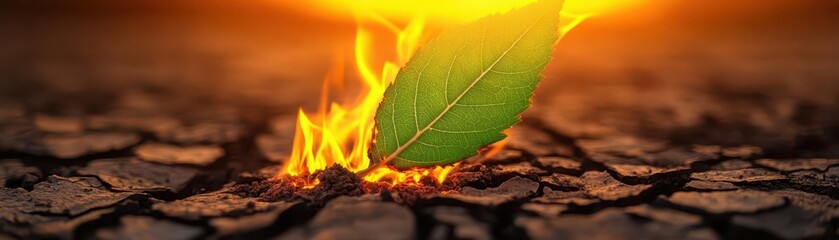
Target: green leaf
<point x="464" y="87"/>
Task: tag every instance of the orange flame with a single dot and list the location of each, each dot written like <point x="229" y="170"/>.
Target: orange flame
<point x="340" y="132"/>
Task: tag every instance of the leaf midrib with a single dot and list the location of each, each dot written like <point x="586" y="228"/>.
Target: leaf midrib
<point x="456" y="100"/>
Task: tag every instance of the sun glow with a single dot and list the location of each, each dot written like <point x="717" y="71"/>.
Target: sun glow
<point x="450" y="11"/>
<point x="340" y="132"/>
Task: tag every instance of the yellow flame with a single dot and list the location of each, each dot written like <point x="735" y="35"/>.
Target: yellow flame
<point x="340" y="132"/>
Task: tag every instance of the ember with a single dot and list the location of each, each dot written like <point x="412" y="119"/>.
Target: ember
<point x="325" y="185"/>
<point x="332" y="182"/>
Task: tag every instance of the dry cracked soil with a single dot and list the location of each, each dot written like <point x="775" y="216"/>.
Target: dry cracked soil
<point x="695" y="138"/>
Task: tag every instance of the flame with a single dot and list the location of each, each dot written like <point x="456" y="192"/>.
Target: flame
<point x="341" y="132"/>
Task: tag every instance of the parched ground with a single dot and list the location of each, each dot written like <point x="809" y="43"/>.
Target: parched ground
<point x="685" y="131"/>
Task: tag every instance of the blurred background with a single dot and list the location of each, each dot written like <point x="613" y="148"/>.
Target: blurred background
<point x="749" y="70"/>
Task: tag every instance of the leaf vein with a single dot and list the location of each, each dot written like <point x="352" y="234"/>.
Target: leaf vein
<point x="416" y="90"/>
